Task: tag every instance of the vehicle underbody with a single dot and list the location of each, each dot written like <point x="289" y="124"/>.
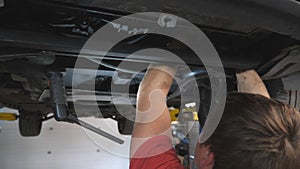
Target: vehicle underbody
<point x="38" y="37"/>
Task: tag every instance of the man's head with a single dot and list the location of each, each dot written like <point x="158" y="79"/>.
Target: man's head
<point x="254" y="132"/>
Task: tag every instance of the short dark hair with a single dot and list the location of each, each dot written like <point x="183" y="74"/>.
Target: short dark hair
<point x="256" y="132"/>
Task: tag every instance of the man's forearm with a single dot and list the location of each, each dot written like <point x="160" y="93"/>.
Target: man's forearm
<point x="156" y="78"/>
<point x="152" y="113"/>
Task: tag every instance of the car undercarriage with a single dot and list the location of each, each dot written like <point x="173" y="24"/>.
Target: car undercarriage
<point x="38" y="38"/>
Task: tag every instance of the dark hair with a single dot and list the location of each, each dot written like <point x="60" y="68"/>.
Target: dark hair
<point x="256" y="133"/>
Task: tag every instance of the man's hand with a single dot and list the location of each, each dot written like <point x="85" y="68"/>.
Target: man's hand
<point x="250" y="82"/>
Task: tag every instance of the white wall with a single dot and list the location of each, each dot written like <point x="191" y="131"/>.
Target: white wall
<point x="62" y="146"/>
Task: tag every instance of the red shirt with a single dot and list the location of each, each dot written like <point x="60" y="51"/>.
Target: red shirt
<point x="156" y="153"/>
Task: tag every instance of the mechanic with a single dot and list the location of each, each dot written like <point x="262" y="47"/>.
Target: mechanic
<point x="255" y="132"/>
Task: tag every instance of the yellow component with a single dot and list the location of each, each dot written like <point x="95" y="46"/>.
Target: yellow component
<point x="195" y="116"/>
<point x="8" y="116"/>
<point x="173" y="114"/>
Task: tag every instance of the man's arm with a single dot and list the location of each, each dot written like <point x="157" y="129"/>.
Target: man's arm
<point x="152" y="116"/>
<point x="250" y="82"/>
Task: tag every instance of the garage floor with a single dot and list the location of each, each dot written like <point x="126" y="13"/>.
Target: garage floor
<point x="61" y="146"/>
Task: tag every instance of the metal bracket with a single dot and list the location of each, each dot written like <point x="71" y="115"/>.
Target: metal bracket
<point x="291" y="82"/>
<point x="289" y="64"/>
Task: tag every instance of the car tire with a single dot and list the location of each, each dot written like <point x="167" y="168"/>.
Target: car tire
<point x="125" y="126"/>
<point x="290" y="97"/>
<point x="30" y="124"/>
